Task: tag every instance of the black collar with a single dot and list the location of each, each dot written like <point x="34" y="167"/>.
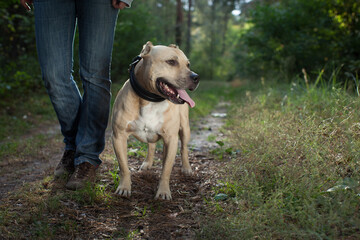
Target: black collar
<point x="140" y="91"/>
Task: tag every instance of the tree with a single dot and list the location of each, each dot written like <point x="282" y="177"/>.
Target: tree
<point x="179" y="22"/>
<point x="188" y="30"/>
<point x="20" y="71"/>
<point x="211" y="20"/>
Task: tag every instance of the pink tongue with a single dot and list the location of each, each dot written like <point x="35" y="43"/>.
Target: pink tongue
<point x="184" y="96"/>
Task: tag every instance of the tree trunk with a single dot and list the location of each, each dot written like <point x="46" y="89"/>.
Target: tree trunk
<point x="179" y="21"/>
<point x="188" y="32"/>
<point x="227" y="13"/>
<point x="212" y="38"/>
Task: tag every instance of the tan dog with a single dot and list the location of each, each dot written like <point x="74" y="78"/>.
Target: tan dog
<point x="150" y="107"/>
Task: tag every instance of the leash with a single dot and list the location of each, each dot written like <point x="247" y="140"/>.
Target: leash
<point x="140" y="91"/>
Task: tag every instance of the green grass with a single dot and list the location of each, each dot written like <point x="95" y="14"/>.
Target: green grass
<point x="27" y="147"/>
<point x="206" y="97"/>
<point x="22" y="121"/>
<point x="298" y="171"/>
<point x="18" y="116"/>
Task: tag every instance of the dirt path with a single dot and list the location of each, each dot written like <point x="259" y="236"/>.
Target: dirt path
<point x="139" y="216"/>
<point x="27" y="167"/>
<point x="208" y="127"/>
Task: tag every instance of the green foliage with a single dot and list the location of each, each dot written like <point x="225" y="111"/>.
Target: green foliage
<point x="115" y="176"/>
<point x="137" y="148"/>
<point x="135" y="27"/>
<point x="221" y="151"/>
<point x="291" y="35"/>
<point x="90" y="194"/>
<point x="19" y="115"/>
<point x="20" y="72"/>
<point x="270" y="37"/>
<point x="211" y="51"/>
<point x="206" y="97"/>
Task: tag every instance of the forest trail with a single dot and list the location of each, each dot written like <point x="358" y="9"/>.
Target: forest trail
<point x="18" y="170"/>
<point x="139" y="216"/>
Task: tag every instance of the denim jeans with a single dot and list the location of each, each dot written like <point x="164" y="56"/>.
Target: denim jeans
<point x="83" y="118"/>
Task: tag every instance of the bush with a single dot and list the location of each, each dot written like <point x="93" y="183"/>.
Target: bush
<point x="291" y="35"/>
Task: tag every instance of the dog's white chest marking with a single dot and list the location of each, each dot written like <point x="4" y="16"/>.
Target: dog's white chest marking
<point x="151" y="118"/>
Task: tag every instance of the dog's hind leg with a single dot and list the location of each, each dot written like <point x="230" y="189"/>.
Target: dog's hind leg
<point x="120" y="147"/>
<point x="164" y="154"/>
<point x="184" y="134"/>
<point x="147" y="164"/>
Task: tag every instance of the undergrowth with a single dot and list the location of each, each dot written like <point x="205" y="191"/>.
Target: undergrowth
<point x="297" y="174"/>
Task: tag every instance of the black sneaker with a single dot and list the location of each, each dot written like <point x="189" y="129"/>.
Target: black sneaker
<point x="85" y="172"/>
<point x="66" y="164"/>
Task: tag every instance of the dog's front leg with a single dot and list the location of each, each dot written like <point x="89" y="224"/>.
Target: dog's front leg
<point x="120" y="147"/>
<point x="171" y="148"/>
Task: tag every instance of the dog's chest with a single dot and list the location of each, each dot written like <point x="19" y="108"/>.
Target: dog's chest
<point x="148" y="126"/>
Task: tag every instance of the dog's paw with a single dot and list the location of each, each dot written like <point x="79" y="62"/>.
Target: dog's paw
<point x="163" y="196"/>
<point x="124" y="188"/>
<point x="163" y="193"/>
<point x="145" y="166"/>
<point x="186" y="171"/>
<point x="124" y="192"/>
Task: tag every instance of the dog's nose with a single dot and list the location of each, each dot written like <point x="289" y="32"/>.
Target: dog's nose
<point x="194" y="77"/>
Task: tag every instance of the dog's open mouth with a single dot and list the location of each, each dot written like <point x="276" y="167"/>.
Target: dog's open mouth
<point x="174" y="95"/>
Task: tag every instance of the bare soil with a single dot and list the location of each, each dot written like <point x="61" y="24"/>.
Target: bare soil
<point x="138" y="217"/>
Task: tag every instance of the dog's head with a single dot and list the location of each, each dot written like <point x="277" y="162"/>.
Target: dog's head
<point x="166" y="72"/>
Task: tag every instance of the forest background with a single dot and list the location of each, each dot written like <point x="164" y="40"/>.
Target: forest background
<point x="225" y="40"/>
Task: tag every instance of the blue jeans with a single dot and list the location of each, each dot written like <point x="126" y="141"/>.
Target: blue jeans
<point x="83" y="118"/>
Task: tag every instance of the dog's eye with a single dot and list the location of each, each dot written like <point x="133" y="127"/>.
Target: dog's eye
<point x="172" y="62"/>
<point x="188" y="65"/>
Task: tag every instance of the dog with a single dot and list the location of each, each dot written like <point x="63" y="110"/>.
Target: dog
<point x="151" y="106"/>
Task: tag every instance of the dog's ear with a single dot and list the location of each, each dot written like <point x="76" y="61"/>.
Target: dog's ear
<point x="173" y="46"/>
<point x="146" y="49"/>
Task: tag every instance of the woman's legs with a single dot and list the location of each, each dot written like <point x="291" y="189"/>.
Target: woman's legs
<point x="55" y="22"/>
<point x="83" y="119"/>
